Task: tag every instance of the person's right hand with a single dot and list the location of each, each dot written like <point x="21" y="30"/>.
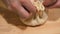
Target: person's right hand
<point x="23" y="7"/>
<point x="52" y="3"/>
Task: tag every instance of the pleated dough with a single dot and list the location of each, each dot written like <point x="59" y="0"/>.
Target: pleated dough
<point x="38" y="20"/>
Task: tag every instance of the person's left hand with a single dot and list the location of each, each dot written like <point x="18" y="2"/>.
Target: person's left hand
<point x="24" y="8"/>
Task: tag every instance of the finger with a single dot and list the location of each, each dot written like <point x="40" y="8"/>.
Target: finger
<point x="56" y="5"/>
<point x="20" y="10"/>
<point x="49" y="3"/>
<point x="28" y="5"/>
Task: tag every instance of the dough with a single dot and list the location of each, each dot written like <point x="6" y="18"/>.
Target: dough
<point x="40" y="16"/>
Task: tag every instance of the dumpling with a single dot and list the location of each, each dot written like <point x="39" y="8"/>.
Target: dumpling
<point x="41" y="16"/>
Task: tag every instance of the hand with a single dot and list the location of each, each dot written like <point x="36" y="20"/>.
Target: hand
<point x="23" y="7"/>
<point x="52" y="3"/>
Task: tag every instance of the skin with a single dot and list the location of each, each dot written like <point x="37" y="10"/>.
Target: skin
<point x="56" y="5"/>
<point x="22" y="12"/>
<point x="24" y="7"/>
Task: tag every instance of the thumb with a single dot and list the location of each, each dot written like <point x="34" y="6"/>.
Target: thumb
<point x="49" y="3"/>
